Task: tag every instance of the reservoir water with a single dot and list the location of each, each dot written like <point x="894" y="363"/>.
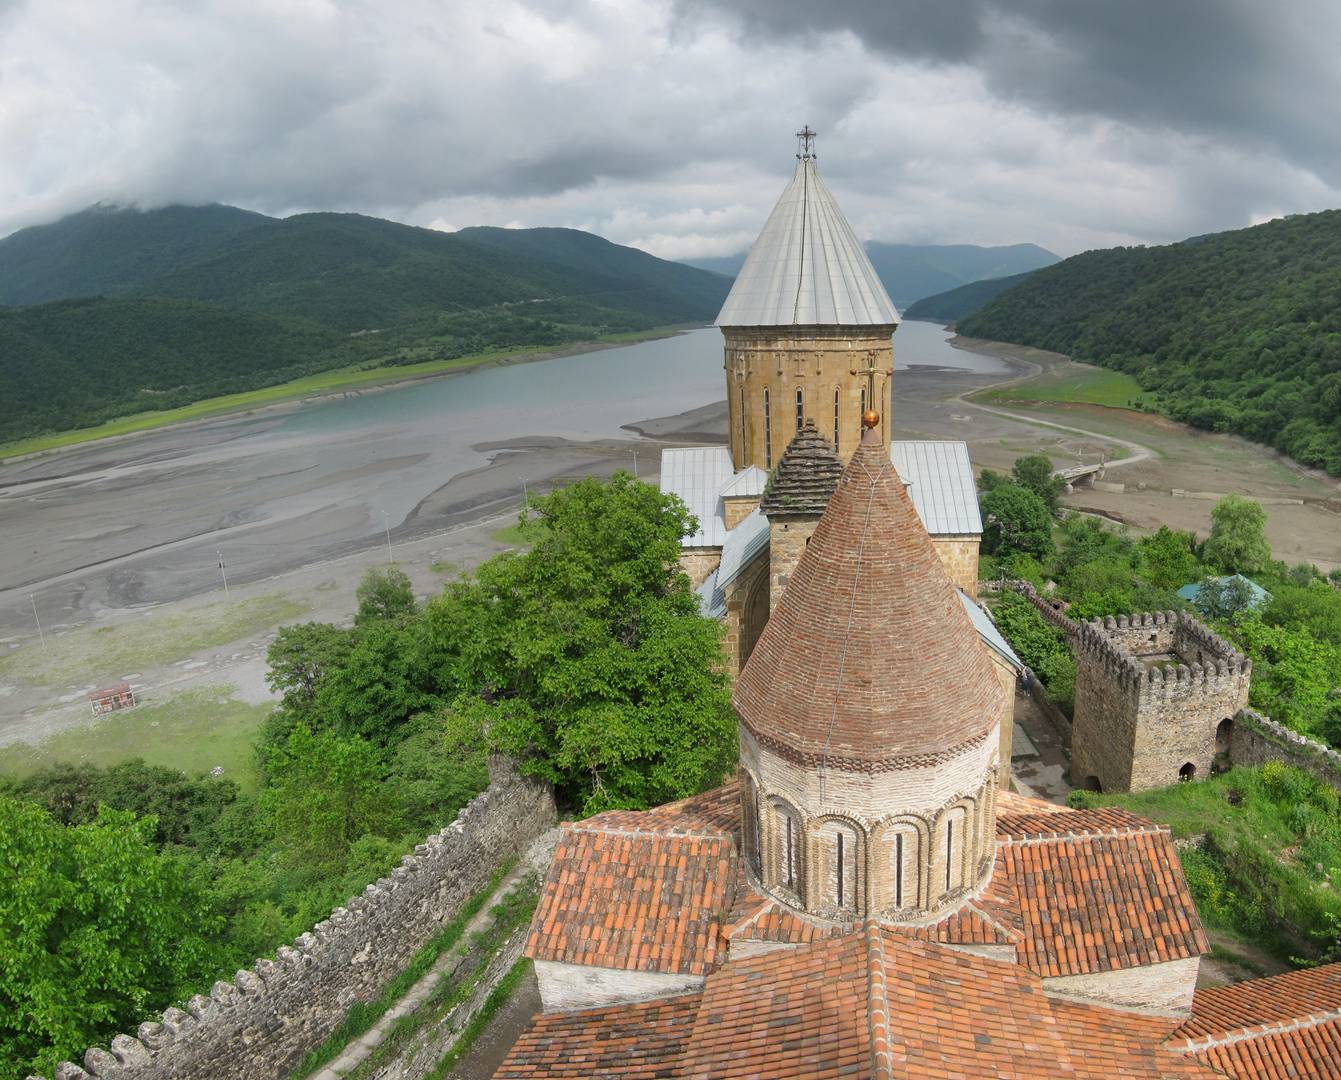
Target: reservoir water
<point x="147" y="516"/>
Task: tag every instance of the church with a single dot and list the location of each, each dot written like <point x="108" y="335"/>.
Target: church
<point x="867" y="897"/>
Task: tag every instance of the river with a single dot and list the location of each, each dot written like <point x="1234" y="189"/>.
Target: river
<point x="144" y="520"/>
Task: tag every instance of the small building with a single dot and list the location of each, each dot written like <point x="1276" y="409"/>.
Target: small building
<point x="1258" y="596"/>
<point x="120" y="696"/>
<point x="1156" y="695"/>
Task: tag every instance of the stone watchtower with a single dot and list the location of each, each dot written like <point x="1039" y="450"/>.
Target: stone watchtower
<point x="807" y="327"/>
<point x="869" y="718"/>
<point x="1156" y="697"/>
<point x="794" y="501"/>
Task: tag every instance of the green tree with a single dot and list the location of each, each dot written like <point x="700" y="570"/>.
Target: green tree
<point x="1238" y="543"/>
<point x="1223" y="598"/>
<point x="586" y="657"/>
<point x="1169" y="559"/>
<point x="380" y="685"/>
<point x="1016" y="519"/>
<point x="384" y="593"/>
<point x="325" y="793"/>
<point x="98" y="928"/>
<point x="301" y="657"/>
<point x="1035" y="472"/>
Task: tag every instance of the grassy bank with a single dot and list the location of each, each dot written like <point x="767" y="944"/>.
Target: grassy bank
<point x="192" y="731"/>
<point x="1065" y="382"/>
<point x="325" y="382"/>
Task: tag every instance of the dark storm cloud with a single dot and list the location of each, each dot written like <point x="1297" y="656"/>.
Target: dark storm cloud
<point x="1248" y="70"/>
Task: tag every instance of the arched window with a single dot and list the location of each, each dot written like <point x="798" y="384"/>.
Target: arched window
<point x="904" y="865"/>
<point x="1224" y="732"/>
<point x="1187" y="772"/>
<point x="788" y="847"/>
<point x="843" y="866"/>
<point x="835" y="418"/>
<point x="863" y="401"/>
<point x="800" y="408"/>
<point x="741" y="462"/>
<point x="955" y="844"/>
<point x="768" y="434"/>
<point x="749" y="806"/>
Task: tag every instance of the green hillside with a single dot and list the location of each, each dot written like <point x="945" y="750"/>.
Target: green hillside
<point x="107" y="250"/>
<point x="1237" y="332"/>
<point x="955" y="304"/>
<point x="201" y="301"/>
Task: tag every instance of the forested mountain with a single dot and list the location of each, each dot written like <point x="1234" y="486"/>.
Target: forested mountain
<point x="199" y="301"/>
<point x="108" y="250"/>
<point x="912" y="271"/>
<point x="1239" y="331"/>
<point x="959" y="303"/>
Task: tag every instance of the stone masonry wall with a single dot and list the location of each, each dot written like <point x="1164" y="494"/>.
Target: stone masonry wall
<point x="698" y="563"/>
<point x="1255" y="740"/>
<point x="959" y="555"/>
<point x="261" y="1024"/>
<point x="1135" y="726"/>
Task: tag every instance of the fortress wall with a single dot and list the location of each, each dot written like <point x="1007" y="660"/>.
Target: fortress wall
<point x="260" y="1025"/>
<point x="1053" y="615"/>
<point x="1255" y="740"/>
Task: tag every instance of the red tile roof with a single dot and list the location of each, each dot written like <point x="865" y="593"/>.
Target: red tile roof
<point x="631" y="1042"/>
<point x="1268" y="1029"/>
<point x="1100" y="902"/>
<point x="1277" y="998"/>
<point x="1107" y="819"/>
<point x="1106" y="1043"/>
<point x="637" y="901"/>
<point x="869" y="660"/>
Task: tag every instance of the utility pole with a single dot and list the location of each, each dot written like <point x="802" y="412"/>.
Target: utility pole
<point x="223" y="572"/>
<point x="40" y="635"/>
<point x="386" y="524"/>
<point x="526" y="495"/>
<point x="635" y="464"/>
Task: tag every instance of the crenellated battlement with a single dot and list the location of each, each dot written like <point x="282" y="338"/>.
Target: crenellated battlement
<point x="1152" y="692"/>
<point x="262" y="1022"/>
<point x="1056" y="616"/>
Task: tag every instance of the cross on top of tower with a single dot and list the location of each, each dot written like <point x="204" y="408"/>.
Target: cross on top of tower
<point x="806" y="144"/>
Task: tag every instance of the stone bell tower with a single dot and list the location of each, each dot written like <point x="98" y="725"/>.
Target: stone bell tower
<point x="869" y="718"/>
<point x="807" y="328"/>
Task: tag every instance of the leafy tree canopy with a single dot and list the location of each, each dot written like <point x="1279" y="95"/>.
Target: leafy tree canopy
<point x="1016" y="520"/>
<point x="96" y="926"/>
<point x="384" y="593"/>
<point x="1035" y="472"/>
<point x="1238" y="543"/>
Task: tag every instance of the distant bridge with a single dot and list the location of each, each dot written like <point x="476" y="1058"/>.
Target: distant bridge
<point x="1081" y="475"/>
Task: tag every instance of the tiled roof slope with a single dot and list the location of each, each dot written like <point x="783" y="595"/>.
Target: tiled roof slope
<point x="1268" y="1029"/>
<point x="869" y="660"/>
<point x="806" y="476"/>
<point x="634" y="900"/>
<point x="868" y="1004"/>
<point x="632" y="1042"/>
<point x="1101" y="901"/>
<point x="807" y="268"/>
<point x="1275" y="999"/>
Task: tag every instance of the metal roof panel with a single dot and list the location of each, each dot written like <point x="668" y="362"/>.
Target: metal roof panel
<point x="696" y="475"/>
<point x="940" y="481"/>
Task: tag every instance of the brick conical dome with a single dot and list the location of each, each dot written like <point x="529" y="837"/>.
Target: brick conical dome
<point x="869" y="660"/>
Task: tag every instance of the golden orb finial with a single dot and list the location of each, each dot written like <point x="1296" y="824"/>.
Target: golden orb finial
<point x="870" y="418"/>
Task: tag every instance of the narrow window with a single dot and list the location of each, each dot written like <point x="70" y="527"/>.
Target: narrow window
<point x="898" y="870"/>
<point x="800" y="408"/>
<point x="789" y="861"/>
<point x="840" y="869"/>
<point x="768" y="434"/>
<point x="949" y="852"/>
<point x="744" y="451"/>
<point x="863" y="401"/>
<point x="835" y="419"/>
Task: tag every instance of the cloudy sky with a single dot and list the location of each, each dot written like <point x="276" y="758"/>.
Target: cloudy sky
<point x="668" y="123"/>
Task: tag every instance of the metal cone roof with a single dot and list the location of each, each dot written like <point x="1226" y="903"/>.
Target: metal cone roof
<point x="807" y="268"/>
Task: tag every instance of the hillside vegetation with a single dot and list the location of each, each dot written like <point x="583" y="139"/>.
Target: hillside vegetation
<point x="1236" y="332"/>
<point x="193" y="302"/>
<point x="955" y="304"/>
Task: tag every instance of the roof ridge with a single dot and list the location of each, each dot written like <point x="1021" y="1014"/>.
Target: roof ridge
<point x="1089" y="834"/>
<point x="672" y="832"/>
<point x="877" y="1004"/>
<point x="1230" y="1036"/>
<point x="1011" y="932"/>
